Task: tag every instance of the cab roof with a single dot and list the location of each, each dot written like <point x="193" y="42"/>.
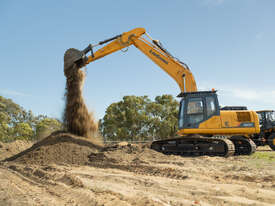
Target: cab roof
<point x="264" y="111"/>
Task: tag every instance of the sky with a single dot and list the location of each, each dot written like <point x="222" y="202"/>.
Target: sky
<point x="228" y="45"/>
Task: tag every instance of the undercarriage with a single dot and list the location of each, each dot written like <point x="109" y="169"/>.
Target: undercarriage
<point x="195" y="145"/>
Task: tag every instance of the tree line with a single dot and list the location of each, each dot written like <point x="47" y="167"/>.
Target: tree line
<point x="137" y="118"/>
<point x="17" y="123"/>
<point x="134" y="118"/>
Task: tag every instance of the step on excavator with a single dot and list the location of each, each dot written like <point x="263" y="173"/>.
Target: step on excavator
<point x="204" y="129"/>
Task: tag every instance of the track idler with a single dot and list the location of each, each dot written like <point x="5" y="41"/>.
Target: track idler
<point x="243" y="145"/>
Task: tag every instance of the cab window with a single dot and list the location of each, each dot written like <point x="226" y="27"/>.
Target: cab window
<point x="210" y="106"/>
<point x="181" y="115"/>
<point x="195" y="110"/>
<point x="271" y="116"/>
<point x="260" y="119"/>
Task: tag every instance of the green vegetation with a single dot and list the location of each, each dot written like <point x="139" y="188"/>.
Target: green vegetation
<point x="267" y="156"/>
<point x="17" y="123"/>
<point x="261" y="159"/>
<point x="138" y="119"/>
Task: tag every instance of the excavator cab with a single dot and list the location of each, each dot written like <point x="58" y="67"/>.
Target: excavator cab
<point x="197" y="107"/>
<point x="267" y="126"/>
<point x="267" y="119"/>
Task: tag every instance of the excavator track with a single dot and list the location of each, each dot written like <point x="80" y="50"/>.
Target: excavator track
<point x="243" y="145"/>
<point x="195" y="146"/>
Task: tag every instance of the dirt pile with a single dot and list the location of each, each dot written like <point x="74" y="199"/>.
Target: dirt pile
<point x="129" y="153"/>
<point x="58" y="148"/>
<point x="65" y="148"/>
<point x="12" y="148"/>
<point x="77" y="119"/>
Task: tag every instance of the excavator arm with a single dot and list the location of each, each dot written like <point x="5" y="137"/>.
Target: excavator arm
<point x="172" y="66"/>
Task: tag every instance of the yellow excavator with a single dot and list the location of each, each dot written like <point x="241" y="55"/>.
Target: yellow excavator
<point x="204" y="129"/>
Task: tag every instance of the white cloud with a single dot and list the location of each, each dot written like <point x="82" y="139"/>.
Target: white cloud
<point x="253" y="94"/>
<point x="12" y="93"/>
<point x="245" y="94"/>
<point x="239" y="95"/>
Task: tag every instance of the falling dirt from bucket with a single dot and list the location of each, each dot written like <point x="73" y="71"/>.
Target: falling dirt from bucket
<point x="77" y="119"/>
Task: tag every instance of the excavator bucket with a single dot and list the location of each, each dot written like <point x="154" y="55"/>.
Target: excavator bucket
<point x="74" y="58"/>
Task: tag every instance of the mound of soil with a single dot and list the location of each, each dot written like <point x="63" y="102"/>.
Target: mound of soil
<point x="129" y="153"/>
<point x="12" y="148"/>
<point x="65" y="148"/>
<point x="58" y="148"/>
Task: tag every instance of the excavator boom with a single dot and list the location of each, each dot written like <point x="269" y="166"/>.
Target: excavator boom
<point x="172" y="66"/>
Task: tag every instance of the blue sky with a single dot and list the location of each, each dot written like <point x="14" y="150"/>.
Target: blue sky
<point x="228" y="44"/>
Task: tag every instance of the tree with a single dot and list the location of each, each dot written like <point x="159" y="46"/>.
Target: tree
<point x="125" y="119"/>
<point x="45" y="126"/>
<point x="138" y="118"/>
<point x="17" y="123"/>
<point x="163" y="119"/>
<point x="23" y="130"/>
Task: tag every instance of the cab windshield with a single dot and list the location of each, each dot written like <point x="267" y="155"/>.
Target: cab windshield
<point x="260" y="118"/>
<point x="270" y="116"/>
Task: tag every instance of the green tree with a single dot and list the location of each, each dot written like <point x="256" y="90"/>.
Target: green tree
<point x="17" y="123"/>
<point x="23" y="130"/>
<point x="138" y="118"/>
<point x="163" y="119"/>
<point x="125" y="119"/>
<point x="45" y="126"/>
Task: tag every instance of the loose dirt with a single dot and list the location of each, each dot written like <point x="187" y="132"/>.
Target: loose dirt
<point x="77" y="119"/>
<point x="12" y="148"/>
<point x="58" y="148"/>
<point x="65" y="169"/>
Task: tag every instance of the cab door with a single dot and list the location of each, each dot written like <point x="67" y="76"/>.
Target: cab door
<point x="213" y="119"/>
<point x="195" y="112"/>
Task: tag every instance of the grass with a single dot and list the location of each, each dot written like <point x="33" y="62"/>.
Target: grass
<point x="261" y="159"/>
<point x="268" y="156"/>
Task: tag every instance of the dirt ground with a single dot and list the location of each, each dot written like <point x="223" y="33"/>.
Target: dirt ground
<point x="64" y="169"/>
